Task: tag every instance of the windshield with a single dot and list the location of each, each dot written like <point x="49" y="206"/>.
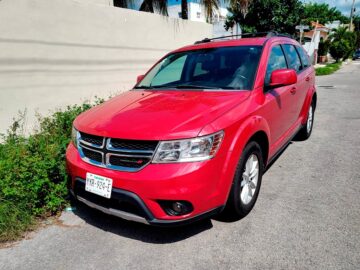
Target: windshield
<point x="214" y="68"/>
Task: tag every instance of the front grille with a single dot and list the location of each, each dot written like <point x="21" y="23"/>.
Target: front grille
<point x="92" y="155"/>
<point x="134" y="145"/>
<point x="116" y="154"/>
<point x="131" y="162"/>
<point x="92" y="139"/>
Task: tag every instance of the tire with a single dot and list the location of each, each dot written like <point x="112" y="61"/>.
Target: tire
<point x="305" y="132"/>
<point x="237" y="205"/>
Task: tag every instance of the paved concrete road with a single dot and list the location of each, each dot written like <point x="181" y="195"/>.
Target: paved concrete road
<point x="307" y="215"/>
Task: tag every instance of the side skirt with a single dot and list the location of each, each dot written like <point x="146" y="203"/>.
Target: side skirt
<point x="281" y="150"/>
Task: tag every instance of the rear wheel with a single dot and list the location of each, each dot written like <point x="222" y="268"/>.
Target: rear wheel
<point x="246" y="182"/>
<point x="305" y="132"/>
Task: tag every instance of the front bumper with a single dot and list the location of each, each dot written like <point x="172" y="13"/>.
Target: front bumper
<point x="142" y="213"/>
<point x="139" y="193"/>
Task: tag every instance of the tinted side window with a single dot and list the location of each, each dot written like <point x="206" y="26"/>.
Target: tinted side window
<point x="293" y="57"/>
<point x="276" y="61"/>
<point x="304" y="57"/>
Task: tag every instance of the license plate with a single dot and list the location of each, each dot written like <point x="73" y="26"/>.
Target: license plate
<point x="99" y="185"/>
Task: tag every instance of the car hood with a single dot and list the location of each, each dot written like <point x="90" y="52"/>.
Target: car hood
<point x="158" y="115"/>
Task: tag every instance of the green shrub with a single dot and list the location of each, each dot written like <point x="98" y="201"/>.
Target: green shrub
<point x="323" y="47"/>
<point x="32" y="170"/>
<point x="339" y="49"/>
<point x="14" y="220"/>
<point x="343" y="43"/>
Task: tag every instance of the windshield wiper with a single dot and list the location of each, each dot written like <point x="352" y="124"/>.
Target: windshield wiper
<point x="192" y="86"/>
<point x="180" y="86"/>
<point x="143" y="87"/>
<point x="151" y="87"/>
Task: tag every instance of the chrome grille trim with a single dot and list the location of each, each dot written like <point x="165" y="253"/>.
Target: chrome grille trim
<point x="91" y="144"/>
<point x="107" y="150"/>
<point x="91" y="161"/>
<point x="122" y="168"/>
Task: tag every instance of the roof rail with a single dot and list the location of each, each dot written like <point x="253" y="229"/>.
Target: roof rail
<point x="247" y="35"/>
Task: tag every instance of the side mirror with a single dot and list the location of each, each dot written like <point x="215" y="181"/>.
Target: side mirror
<point x="139" y="78"/>
<point x="282" y="77"/>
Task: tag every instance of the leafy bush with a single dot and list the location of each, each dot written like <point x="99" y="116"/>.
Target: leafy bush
<point x="339" y="49"/>
<point x="32" y="170"/>
<point x="323" y="47"/>
<point x="14" y="220"/>
<point x="343" y="43"/>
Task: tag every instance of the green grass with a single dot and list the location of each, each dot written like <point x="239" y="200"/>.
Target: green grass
<point x="14" y="221"/>
<point x="33" y="178"/>
<point x="328" y="69"/>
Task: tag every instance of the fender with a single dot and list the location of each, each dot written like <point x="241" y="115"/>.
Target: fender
<point x="305" y="108"/>
<point x="241" y="136"/>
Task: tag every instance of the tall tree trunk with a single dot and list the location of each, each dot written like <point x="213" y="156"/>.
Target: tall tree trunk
<point x="184" y="9"/>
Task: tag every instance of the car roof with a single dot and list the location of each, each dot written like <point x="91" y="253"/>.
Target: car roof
<point x="253" y="41"/>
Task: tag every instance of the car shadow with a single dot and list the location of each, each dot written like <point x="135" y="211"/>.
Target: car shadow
<point x="227" y="217"/>
<point x="278" y="155"/>
<point x="138" y="231"/>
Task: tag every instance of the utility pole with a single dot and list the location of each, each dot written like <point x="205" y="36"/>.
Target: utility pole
<point x="351" y="15"/>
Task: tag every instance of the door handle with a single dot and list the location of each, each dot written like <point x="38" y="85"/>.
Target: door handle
<point x="307" y="79"/>
<point x="293" y="91"/>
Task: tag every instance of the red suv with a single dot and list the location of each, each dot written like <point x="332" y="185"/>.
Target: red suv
<point x="196" y="133"/>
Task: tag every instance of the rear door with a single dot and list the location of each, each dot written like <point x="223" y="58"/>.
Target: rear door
<point x="307" y="74"/>
<point x="300" y="90"/>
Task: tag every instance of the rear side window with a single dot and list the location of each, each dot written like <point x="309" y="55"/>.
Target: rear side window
<point x="293" y="57"/>
<point x="276" y="61"/>
<point x="304" y="57"/>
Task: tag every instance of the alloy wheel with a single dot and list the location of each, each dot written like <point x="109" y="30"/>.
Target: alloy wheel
<point x="249" y="179"/>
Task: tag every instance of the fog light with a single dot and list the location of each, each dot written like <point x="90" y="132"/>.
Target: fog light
<point x="176" y="208"/>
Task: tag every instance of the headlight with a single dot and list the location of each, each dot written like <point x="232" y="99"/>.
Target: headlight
<point x="75" y="136"/>
<point x="196" y="149"/>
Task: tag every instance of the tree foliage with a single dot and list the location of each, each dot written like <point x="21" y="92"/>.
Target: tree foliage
<point x="322" y="13"/>
<point x="356" y="22"/>
<point x="160" y="6"/>
<point x="324" y="46"/>
<point x="343" y="43"/>
<point x="266" y="15"/>
<point x="154" y="5"/>
<point x="338" y="49"/>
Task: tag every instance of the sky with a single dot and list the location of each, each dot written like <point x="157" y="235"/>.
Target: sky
<point x="343" y="5"/>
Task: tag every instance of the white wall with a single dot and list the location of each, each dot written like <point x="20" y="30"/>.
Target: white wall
<point x="60" y="52"/>
<point x="194" y="9"/>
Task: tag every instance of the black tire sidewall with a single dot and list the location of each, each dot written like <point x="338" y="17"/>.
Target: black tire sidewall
<point x="303" y="134"/>
<point x="238" y="206"/>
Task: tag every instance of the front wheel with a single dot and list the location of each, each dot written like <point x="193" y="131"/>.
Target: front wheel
<point x="246" y="182"/>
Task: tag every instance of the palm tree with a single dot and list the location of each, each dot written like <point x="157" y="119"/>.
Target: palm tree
<point x="147" y="5"/>
<point x="160" y="6"/>
<point x="212" y="6"/>
<point x="155" y="5"/>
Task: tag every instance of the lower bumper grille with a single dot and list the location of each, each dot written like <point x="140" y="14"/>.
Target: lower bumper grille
<point x="120" y="200"/>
